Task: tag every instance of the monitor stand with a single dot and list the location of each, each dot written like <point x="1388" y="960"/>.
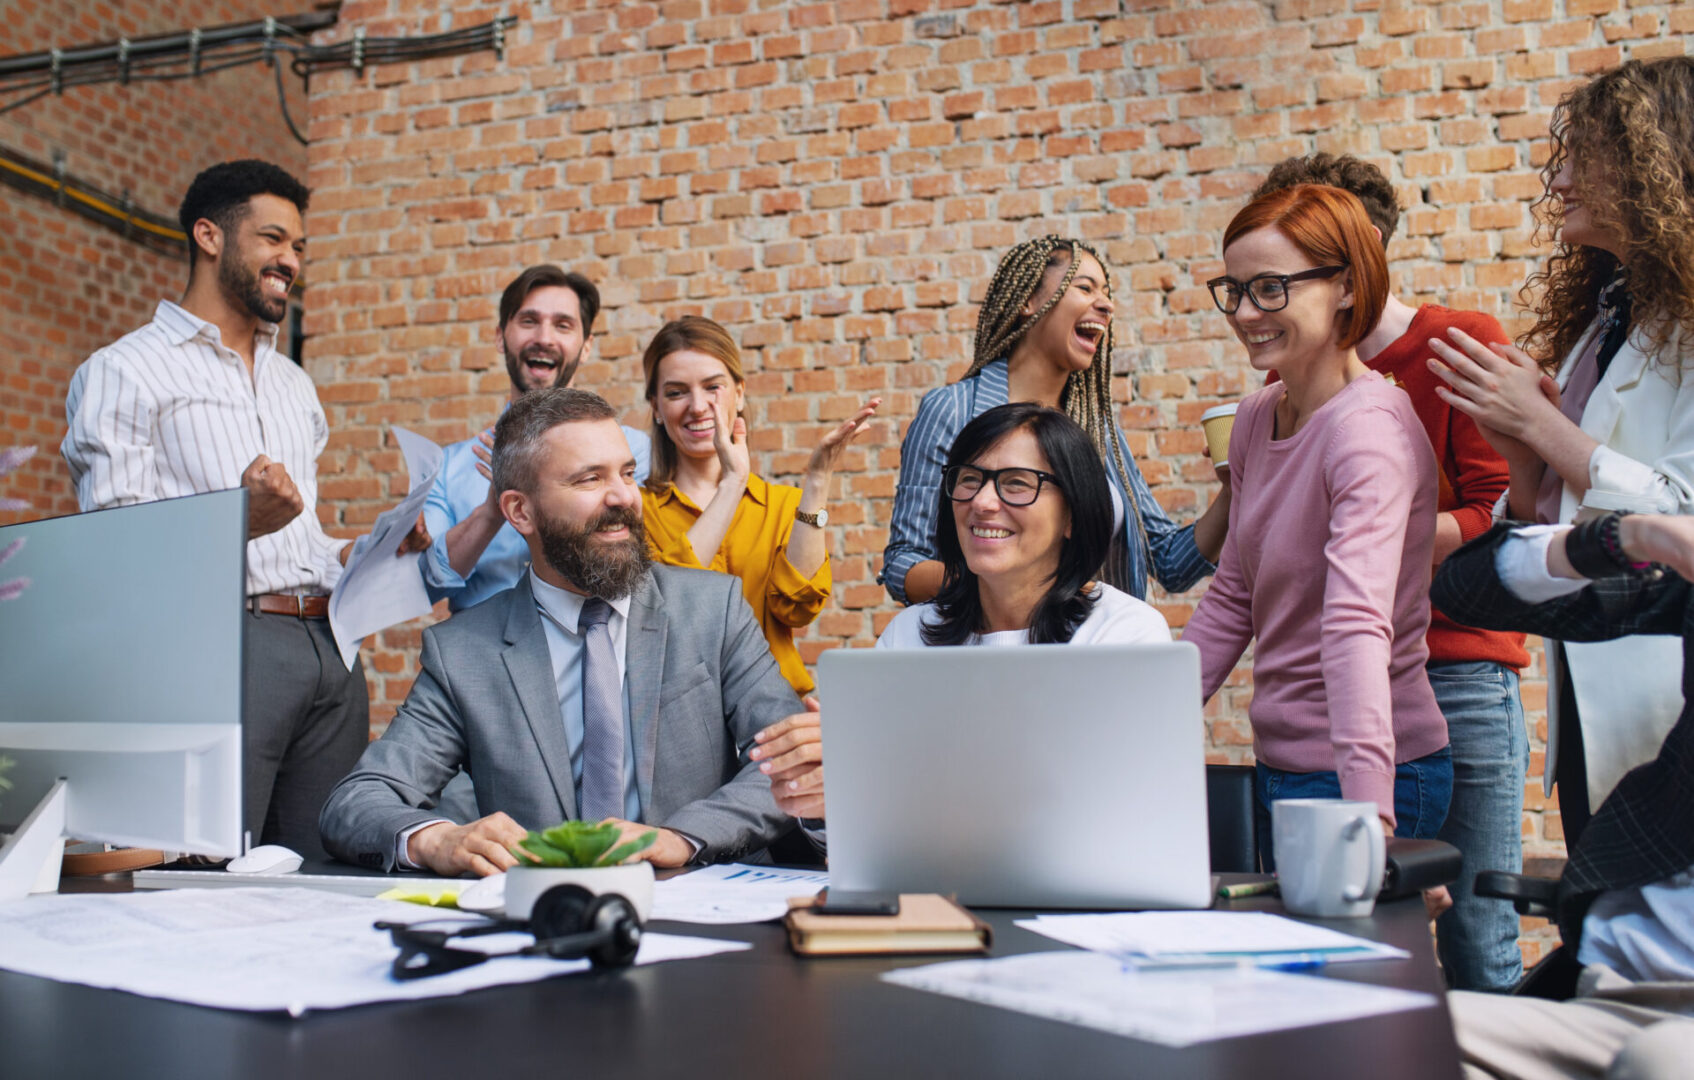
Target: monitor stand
<point x="30" y="857"/>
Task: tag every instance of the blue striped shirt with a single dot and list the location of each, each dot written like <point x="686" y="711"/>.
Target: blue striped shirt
<point x="943" y="413"/>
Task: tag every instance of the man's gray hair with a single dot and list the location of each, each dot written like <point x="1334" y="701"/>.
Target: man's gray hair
<point x="517" y="437"/>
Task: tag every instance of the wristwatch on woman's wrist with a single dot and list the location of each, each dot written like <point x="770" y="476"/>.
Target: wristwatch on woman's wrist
<point x="816" y="521"/>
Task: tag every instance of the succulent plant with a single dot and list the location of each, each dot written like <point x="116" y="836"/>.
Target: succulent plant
<point x="575" y="845"/>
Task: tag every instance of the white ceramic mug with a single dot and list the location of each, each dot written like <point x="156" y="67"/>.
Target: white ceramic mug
<point x="1329" y="856"/>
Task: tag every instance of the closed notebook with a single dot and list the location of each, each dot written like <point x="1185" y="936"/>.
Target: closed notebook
<point x="927" y="923"/>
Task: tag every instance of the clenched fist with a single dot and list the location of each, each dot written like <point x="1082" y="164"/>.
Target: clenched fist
<point x="272" y="499"/>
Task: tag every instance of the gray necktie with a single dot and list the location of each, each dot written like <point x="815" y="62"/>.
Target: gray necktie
<point x="602" y="716"/>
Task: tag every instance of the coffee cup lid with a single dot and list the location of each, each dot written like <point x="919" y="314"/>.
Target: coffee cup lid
<point x="1600" y="499"/>
<point x="1219" y="410"/>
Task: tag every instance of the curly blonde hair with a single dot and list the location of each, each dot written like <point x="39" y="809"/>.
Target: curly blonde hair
<point x="1629" y="136"/>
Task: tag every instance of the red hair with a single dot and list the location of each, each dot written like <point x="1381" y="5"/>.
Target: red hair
<point x="1330" y="227"/>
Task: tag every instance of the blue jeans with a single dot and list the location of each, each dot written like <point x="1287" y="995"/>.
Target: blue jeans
<point x="1478" y="939"/>
<point x="1422" y="790"/>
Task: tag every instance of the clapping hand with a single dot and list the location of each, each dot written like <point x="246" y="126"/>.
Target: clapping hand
<point x="1500" y="387"/>
<point x="829" y="449"/>
<point x="729" y="439"/>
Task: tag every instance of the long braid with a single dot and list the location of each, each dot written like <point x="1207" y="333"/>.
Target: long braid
<point x="1087" y="396"/>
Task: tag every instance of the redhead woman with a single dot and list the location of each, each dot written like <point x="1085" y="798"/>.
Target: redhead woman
<point x="1332" y="525"/>
<point x="705" y="507"/>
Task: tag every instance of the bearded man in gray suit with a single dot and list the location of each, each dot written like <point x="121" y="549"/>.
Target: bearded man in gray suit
<point x="600" y="687"/>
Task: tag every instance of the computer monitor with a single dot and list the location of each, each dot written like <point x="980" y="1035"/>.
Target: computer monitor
<point x="120" y="682"/>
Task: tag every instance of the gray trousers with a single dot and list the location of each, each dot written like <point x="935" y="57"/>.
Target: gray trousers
<point x="306" y="721"/>
<point x="1612" y="1030"/>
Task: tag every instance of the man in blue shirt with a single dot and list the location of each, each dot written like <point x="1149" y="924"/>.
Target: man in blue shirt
<point x="546" y="328"/>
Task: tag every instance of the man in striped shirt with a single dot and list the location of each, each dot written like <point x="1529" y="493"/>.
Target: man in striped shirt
<point x="200" y="400"/>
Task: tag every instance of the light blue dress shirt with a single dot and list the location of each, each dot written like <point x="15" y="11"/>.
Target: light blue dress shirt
<point x="561" y="610"/>
<point x="459" y="489"/>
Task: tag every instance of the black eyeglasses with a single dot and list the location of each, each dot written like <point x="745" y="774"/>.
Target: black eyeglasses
<point x="1268" y="292"/>
<point x="1016" y="486"/>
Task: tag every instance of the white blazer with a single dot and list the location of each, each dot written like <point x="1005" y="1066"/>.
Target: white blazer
<point x="1628" y="691"/>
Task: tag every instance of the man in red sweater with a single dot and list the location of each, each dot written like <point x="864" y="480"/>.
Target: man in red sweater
<point x="1474" y="673"/>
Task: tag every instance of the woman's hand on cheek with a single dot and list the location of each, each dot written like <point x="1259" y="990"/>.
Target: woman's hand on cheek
<point x="729" y="439"/>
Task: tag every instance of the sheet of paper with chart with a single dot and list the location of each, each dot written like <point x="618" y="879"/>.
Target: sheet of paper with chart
<point x="1171" y="1008"/>
<point x="261" y="949"/>
<point x="733" y="893"/>
<point x="379" y="588"/>
<point x="1176" y="936"/>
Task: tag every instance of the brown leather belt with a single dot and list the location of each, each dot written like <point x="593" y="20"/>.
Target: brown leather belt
<point x="304" y="607"/>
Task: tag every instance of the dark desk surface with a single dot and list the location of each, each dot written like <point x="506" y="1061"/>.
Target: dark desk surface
<point x="748" y="1014"/>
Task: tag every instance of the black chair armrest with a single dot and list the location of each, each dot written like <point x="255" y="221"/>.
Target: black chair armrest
<point x="1415" y="865"/>
<point x="1529" y="895"/>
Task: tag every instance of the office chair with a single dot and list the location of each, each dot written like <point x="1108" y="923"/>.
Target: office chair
<point x="1554" y="976"/>
<point x="1233" y="830"/>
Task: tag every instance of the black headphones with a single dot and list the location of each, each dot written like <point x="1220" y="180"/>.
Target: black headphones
<point x="568" y="922"/>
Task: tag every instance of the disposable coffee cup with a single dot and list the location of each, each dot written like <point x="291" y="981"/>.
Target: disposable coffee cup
<point x="1217" y="422"/>
<point x="1330" y="856"/>
<point x="1598" y="502"/>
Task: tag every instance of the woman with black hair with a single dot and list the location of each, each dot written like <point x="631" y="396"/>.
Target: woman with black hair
<point x="1024" y="524"/>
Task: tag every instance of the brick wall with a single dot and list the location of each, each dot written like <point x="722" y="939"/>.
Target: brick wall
<point x="67" y="284"/>
<point x="835" y="181"/>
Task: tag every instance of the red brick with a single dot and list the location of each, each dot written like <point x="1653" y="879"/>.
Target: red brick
<point x="835" y="182"/>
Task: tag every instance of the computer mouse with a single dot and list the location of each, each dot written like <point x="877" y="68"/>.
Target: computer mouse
<point x="484" y="895"/>
<point x="265" y="860"/>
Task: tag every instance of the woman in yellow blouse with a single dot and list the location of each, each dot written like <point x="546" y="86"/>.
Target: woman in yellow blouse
<point x="702" y="505"/>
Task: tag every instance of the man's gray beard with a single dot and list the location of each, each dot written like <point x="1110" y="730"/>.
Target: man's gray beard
<point x="609" y="571"/>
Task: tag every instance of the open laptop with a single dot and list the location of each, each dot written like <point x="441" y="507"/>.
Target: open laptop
<point x="1046" y="776"/>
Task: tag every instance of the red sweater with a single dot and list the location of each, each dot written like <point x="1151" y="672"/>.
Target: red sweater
<point x="1472" y="475"/>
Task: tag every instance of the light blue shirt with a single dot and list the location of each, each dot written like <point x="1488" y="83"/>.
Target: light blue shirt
<point x="561" y="610"/>
<point x="459" y="489"/>
<point x="1645" y="934"/>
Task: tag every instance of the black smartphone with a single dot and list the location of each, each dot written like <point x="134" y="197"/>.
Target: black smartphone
<point x="843" y="902"/>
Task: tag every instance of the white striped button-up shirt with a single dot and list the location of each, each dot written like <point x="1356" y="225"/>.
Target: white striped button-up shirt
<point x="168" y="410"/>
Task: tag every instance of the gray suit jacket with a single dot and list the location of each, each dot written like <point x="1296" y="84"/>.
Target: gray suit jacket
<point x="701" y="682"/>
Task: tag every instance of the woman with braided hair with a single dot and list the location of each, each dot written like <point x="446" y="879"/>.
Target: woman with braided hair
<point x="1044" y="334"/>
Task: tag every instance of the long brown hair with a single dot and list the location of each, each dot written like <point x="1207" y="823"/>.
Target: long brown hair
<point x="1629" y="136"/>
<point x="691" y="333"/>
